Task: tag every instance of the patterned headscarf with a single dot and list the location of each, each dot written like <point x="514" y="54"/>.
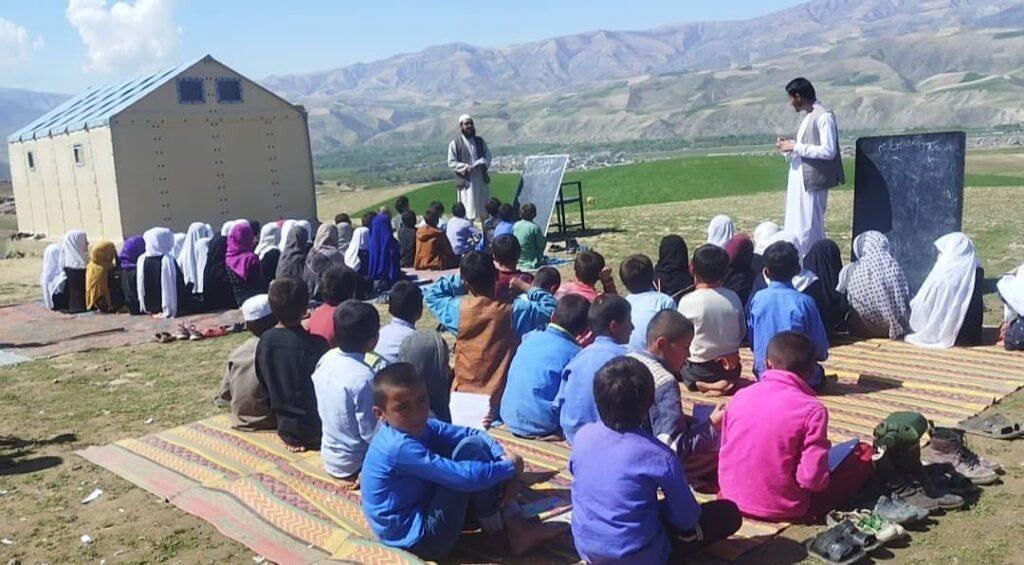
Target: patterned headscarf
<point x="877" y="286"/>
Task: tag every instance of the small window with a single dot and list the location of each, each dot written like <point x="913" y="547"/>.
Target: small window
<point x="31" y="161"/>
<point x="79" y="153"/>
<point x="229" y="91"/>
<point x="190" y="91"/>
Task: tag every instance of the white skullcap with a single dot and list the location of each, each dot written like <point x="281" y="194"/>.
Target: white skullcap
<point x="256" y="308"/>
<point x="465" y="118"/>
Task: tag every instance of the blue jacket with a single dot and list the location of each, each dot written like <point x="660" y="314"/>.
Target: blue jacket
<point x="575" y="399"/>
<point x="534" y="377"/>
<point x="780" y="308"/>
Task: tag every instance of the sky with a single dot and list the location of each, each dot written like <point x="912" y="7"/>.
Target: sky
<point x="69" y="45"/>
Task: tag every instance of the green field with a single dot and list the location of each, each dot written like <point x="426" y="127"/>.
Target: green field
<point x="674" y="180"/>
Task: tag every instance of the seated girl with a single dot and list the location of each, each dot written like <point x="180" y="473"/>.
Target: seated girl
<point x="159" y="281"/>
<point x="876" y="289"/>
<point x="74" y="257"/>
<point x="244" y="275"/>
<point x="672" y="273"/>
<point x="947" y="309"/>
<point x="52" y="279"/>
<point x="133" y="247"/>
<point x="103" y="279"/>
<point x="1011" y="292"/>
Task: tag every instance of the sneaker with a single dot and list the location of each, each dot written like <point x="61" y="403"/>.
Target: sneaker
<point x="929" y="488"/>
<point x="869" y="523"/>
<point x="193" y="334"/>
<point x="949" y="445"/>
<point x="895" y="509"/>
<point x="182" y="333"/>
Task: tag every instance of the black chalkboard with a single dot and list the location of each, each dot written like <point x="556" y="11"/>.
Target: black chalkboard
<point x="911" y="188"/>
<point x="539" y="184"/>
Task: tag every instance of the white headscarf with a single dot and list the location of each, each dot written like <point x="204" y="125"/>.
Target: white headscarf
<point x="192" y="257"/>
<point x="225" y="228"/>
<point x="720" y="230"/>
<point x="309" y="228"/>
<point x="52" y="278"/>
<point x="74" y="250"/>
<point x="159" y="242"/>
<point x="763" y="235"/>
<point x="360" y="240"/>
<point x="179" y="241"/>
<point x="286" y="228"/>
<point x="270" y="236"/>
<point x="1011" y="290"/>
<point x="939" y="309"/>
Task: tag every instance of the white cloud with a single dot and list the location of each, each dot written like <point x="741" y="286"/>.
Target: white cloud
<point x="126" y="35"/>
<point x="15" y="43"/>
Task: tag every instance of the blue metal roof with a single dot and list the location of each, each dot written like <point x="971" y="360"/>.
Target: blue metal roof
<point x="95" y="107"/>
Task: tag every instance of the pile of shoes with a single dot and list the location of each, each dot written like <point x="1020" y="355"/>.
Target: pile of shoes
<point x="191" y="333"/>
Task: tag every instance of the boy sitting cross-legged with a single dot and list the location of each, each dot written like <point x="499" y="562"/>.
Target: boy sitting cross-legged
<point x="527" y="407"/>
<point x="609" y="318"/>
<point x="250" y="409"/>
<point x="344" y="395"/>
<point x="668" y="345"/>
<point x="589" y="267"/>
<point x="637" y="273"/>
<point x="531" y="238"/>
<point x="286" y="357"/>
<point x="505" y="250"/>
<point x="424" y="480"/>
<point x="719" y="322"/>
<point x="780" y="308"/>
<point x="619" y="469"/>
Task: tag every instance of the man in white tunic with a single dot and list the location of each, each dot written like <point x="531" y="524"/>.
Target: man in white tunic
<point x="469" y="158"/>
<point x="815" y="166"/>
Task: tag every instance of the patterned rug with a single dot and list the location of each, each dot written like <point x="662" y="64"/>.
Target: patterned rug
<point x="34" y="332"/>
<point x="284" y="506"/>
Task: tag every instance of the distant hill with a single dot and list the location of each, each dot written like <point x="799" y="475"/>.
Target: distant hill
<point x="18" y="108"/>
<point x="882" y="64"/>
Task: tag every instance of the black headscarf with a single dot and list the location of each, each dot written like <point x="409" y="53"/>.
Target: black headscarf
<point x="673" y="268"/>
<point x="293" y="258"/>
<point x="825" y="260"/>
<point x="216" y="289"/>
<point x="740" y="276"/>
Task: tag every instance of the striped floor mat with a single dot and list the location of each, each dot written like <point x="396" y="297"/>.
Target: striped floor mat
<point x="284" y="507"/>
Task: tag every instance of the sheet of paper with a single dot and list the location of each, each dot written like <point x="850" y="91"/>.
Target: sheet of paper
<point x="469" y="409"/>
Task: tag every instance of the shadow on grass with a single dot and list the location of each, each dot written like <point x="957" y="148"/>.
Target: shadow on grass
<point x="555" y="236"/>
<point x="16" y="461"/>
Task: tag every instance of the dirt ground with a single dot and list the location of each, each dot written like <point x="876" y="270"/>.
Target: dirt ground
<point x="50" y="408"/>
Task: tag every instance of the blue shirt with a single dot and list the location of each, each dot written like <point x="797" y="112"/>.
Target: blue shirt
<point x="503" y="228"/>
<point x="644" y="306"/>
<point x="391" y="338"/>
<point x="344" y="399"/>
<point x="444" y="299"/>
<point x="616" y="515"/>
<point x="461" y="234"/>
<point x="402" y="472"/>
<point x="527" y="406"/>
<point x="780" y="308"/>
<point x="575" y="400"/>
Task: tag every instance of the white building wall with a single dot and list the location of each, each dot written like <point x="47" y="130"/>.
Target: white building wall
<point x="178" y="163"/>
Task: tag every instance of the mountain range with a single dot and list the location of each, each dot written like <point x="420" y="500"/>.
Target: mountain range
<point x="882" y="65"/>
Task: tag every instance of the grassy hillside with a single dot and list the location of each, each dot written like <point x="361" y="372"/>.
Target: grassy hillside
<point x="675" y="180"/>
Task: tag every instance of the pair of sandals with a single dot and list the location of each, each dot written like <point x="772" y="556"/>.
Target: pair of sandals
<point x="841" y="544"/>
<point x="996" y="426"/>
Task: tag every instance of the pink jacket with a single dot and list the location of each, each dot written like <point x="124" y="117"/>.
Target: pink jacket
<point x="775" y="445"/>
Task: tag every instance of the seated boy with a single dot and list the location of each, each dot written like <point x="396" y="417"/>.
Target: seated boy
<point x="589" y="267"/>
<point x="637" y="274"/>
<point x="547" y="279"/>
<point x="668" y="344"/>
<point x="719" y="321"/>
<point x="609" y="319"/>
<point x="527" y="407"/>
<point x="285" y="360"/>
<point x="250" y="408"/>
<point x="531" y="238"/>
<point x="486" y="329"/>
<point x="780" y="308"/>
<point x="337" y="284"/>
<point x="438" y="210"/>
<point x="407" y="240"/>
<point x="424" y="480"/>
<point x="618" y="471"/>
<point x="433" y="250"/>
<point x="492" y="220"/>
<point x="506" y="251"/>
<point x="405" y="304"/>
<point x="344" y="392"/>
<point x="773" y="462"/>
<point x="461" y="233"/>
<point x="506" y="220"/>
<point x="401" y="207"/>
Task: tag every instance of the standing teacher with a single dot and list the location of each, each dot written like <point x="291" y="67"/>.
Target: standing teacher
<point x="470" y="158"/>
<point x="815" y="165"/>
